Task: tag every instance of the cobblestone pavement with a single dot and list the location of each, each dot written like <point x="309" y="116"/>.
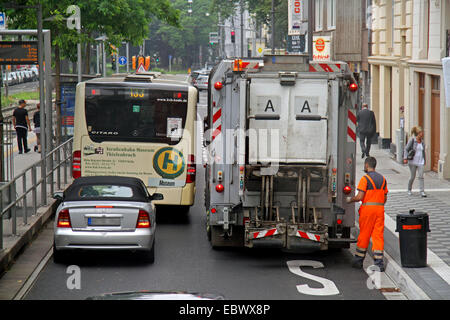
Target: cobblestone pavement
<point x="434" y="279"/>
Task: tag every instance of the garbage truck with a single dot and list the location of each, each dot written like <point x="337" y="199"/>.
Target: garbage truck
<point x="280" y="145"/>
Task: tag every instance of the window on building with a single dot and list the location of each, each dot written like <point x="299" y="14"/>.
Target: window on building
<point x="331" y="14"/>
<point x="318" y="9"/>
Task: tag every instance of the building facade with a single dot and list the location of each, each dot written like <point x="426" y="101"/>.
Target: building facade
<point x="409" y="39"/>
<point x="345" y="21"/>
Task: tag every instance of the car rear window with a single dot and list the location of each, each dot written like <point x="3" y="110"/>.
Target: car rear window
<point x="105" y="191"/>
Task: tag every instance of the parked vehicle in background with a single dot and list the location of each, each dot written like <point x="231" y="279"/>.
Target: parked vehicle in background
<point x="105" y="213"/>
<point x="196" y="73"/>
<point x="202" y="82"/>
<point x="9" y="80"/>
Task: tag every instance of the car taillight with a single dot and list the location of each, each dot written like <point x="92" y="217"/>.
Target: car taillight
<point x="191" y="170"/>
<point x="64" y="219"/>
<point x="76" y="164"/>
<point x="347" y="189"/>
<point x="143" y="220"/>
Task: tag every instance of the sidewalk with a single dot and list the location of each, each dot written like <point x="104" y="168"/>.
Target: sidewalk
<point x="433" y="281"/>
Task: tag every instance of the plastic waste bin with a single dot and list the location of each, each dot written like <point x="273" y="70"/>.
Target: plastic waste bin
<point x="413" y="228"/>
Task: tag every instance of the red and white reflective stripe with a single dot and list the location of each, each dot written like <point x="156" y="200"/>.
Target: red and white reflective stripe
<point x="351" y="127"/>
<point x="265" y="233"/>
<point x="217" y="122"/>
<point x="307" y="235"/>
<point x="325" y="67"/>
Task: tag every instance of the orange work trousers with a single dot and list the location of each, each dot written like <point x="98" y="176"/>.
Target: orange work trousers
<point x="371" y="225"/>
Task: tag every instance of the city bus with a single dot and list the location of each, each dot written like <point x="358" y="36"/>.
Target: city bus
<point x="138" y="126"/>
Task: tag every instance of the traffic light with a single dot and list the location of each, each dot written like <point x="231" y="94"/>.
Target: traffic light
<point x="233" y="36"/>
<point x="113" y="62"/>
<point x="157" y="59"/>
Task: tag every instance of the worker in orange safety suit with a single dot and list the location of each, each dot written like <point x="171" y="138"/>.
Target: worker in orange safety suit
<point x="372" y="191"/>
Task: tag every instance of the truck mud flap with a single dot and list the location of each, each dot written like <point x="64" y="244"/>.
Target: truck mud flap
<point x="298" y="238"/>
<point x="266" y="237"/>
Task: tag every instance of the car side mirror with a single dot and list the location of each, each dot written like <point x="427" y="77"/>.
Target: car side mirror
<point x="58" y="196"/>
<point x="157" y="196"/>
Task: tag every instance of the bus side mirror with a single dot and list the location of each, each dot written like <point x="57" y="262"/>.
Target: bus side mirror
<point x="156" y="196"/>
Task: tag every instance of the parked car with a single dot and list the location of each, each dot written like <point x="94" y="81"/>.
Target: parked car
<point x="105" y="213"/>
<point x="196" y="73"/>
<point x="10" y="80"/>
<point x="202" y="82"/>
<point x="16" y="77"/>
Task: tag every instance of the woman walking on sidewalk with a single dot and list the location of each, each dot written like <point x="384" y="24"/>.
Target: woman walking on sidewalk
<point x="415" y="157"/>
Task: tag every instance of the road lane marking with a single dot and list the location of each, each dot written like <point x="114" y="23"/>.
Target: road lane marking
<point x="329" y="288"/>
<point x="32" y="279"/>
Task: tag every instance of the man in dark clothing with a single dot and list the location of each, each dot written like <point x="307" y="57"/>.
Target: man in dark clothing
<point x="21" y="123"/>
<point x="367" y="127"/>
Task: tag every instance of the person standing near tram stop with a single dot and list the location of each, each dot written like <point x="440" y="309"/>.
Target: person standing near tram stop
<point x="21" y="123"/>
<point x="372" y="191"/>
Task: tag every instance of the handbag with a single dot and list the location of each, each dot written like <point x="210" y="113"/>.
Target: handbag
<point x="411" y="154"/>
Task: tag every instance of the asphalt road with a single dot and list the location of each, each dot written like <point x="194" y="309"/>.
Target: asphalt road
<point x="186" y="261"/>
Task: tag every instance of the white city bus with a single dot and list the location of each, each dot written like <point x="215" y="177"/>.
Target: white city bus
<point x="138" y="126"/>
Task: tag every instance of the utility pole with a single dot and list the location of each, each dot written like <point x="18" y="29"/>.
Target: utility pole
<point x="242" y="28"/>
<point x="310" y="29"/>
<point x="272" y="22"/>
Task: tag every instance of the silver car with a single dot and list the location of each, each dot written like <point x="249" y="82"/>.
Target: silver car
<point x="202" y="82"/>
<point x="105" y="213"/>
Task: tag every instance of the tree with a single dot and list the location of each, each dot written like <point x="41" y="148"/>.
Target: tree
<point x="262" y="13"/>
<point x="119" y="20"/>
<point x="184" y="42"/>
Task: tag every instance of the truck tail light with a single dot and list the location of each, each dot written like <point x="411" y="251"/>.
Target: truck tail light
<point x="76" y="164"/>
<point x="347" y="189"/>
<point x="64" y="219"/>
<point x="143" y="220"/>
<point x="220" y="188"/>
<point x="191" y="170"/>
<point x="353" y="87"/>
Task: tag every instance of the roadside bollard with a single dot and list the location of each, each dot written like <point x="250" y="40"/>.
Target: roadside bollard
<point x="413" y="228"/>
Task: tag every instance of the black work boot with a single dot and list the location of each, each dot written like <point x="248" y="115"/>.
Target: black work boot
<point x="357" y="262"/>
<point x="378" y="259"/>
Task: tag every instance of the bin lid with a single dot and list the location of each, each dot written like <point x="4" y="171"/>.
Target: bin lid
<point x="413" y="214"/>
<point x="413" y="221"/>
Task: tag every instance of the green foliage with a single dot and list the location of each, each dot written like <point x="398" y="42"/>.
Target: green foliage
<point x="262" y="13"/>
<point x="119" y="20"/>
<point x="184" y="42"/>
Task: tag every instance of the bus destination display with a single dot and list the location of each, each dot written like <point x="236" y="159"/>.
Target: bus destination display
<point x="18" y="52"/>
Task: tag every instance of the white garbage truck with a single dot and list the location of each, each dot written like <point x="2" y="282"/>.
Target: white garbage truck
<point x="280" y="145"/>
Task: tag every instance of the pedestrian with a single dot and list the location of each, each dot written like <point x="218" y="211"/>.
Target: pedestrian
<point x="367" y="127"/>
<point x="21" y="123"/>
<point x="372" y="191"/>
<point x="414" y="156"/>
<point x="37" y="128"/>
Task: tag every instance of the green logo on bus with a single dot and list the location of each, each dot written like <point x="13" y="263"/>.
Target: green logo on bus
<point x="169" y="162"/>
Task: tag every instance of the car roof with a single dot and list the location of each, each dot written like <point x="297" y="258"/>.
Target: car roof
<point x="136" y="184"/>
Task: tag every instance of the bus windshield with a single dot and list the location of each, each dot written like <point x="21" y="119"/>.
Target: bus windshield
<point x="135" y="114"/>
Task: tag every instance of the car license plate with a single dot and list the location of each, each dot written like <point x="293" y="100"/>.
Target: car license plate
<point x="103" y="221"/>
